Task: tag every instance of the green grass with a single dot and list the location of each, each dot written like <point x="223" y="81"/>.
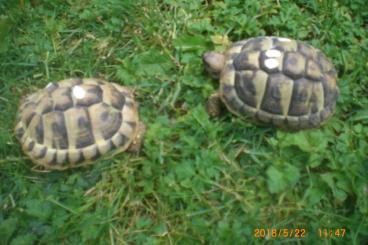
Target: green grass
<point x="197" y="180"/>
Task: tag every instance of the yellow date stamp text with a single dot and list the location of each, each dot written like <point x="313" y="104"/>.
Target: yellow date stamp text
<point x="279" y="232"/>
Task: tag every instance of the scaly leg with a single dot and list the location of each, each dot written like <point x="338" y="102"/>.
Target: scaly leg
<point x="138" y="141"/>
<point x="213" y="105"/>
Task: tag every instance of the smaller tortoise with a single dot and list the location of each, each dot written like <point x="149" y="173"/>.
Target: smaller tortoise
<point x="73" y="122"/>
<point x="274" y="80"/>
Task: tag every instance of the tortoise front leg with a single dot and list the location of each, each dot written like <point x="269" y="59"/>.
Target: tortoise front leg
<point x="137" y="143"/>
<point x="214" y="104"/>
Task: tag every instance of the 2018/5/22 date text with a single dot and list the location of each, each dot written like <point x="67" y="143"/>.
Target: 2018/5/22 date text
<point x="282" y="233"/>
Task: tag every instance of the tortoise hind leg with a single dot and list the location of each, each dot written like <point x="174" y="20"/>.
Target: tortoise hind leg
<point x="214" y="104"/>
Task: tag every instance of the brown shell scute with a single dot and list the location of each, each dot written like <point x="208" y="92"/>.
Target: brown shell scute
<point x="75" y="121"/>
<point x="281" y="81"/>
<point x="294" y="64"/>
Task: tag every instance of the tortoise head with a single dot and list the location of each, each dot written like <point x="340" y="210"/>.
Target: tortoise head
<point x="214" y="62"/>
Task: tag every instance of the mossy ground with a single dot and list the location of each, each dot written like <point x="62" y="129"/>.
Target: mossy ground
<point x="197" y="180"/>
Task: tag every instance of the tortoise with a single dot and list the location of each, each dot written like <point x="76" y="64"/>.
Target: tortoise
<point x="72" y="122"/>
<point x="274" y="81"/>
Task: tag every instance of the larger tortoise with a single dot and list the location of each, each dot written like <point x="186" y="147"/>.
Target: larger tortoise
<point x="274" y="80"/>
<point x="72" y="122"/>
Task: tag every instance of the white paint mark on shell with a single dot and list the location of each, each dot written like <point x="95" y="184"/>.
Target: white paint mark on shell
<point x="283" y="39"/>
<point x="272" y="53"/>
<point x="49" y="85"/>
<point x="271" y="63"/>
<point x="78" y="92"/>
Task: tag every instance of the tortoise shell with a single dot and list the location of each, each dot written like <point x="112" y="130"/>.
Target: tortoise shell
<point x="72" y="122"/>
<point x="279" y="81"/>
